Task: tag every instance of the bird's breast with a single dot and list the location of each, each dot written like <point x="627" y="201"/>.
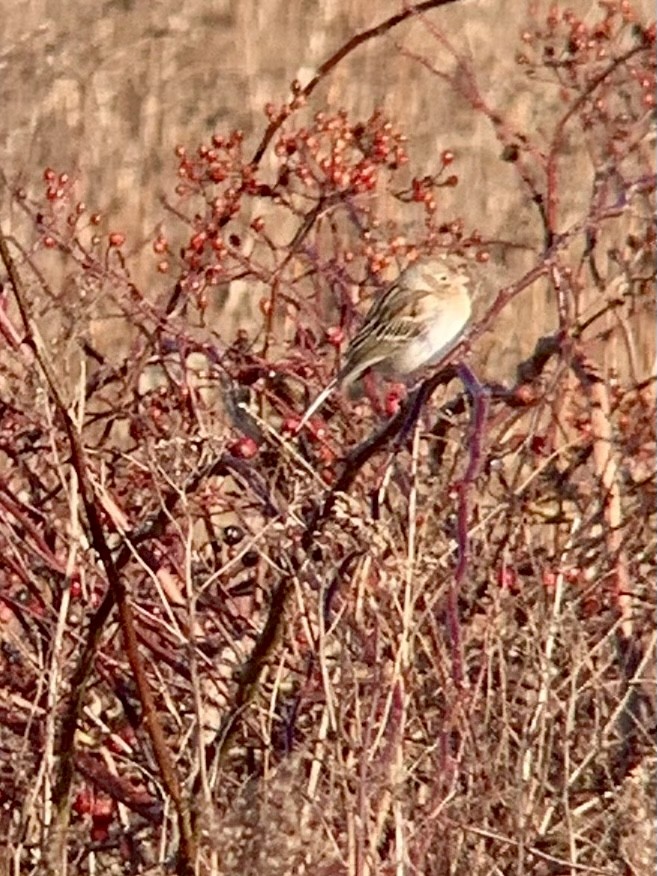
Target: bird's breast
<point x="437" y="336"/>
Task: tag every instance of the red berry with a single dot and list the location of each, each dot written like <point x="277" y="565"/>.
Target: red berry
<point x="103" y="809"/>
<point x="198" y="241"/>
<point x="245" y="448"/>
<point x="335" y="335"/>
<point x="447" y="157"/>
<point x="524" y="395"/>
<point x="549" y="579"/>
<point x="160" y="245"/>
<point x="291" y="425"/>
<point x="49" y="174"/>
<point x="116" y="239"/>
<point x="392" y="403"/>
<point x="84" y="801"/>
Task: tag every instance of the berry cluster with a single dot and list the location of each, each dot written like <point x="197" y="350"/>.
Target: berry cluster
<point x="333" y="163"/>
<point x="335" y="155"/>
<point x="578" y="51"/>
<point x="62" y="218"/>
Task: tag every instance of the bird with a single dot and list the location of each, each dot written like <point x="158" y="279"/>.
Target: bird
<point x="415" y="322"/>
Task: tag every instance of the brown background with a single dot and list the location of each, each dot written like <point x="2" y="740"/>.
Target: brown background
<point x="106" y="90"/>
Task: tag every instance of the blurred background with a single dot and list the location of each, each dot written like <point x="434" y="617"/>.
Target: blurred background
<point x="106" y="90"/>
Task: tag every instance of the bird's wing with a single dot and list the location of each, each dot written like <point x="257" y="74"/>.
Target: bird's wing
<point x="393" y="320"/>
<point x="398" y="317"/>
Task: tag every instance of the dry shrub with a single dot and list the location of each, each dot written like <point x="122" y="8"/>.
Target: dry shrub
<point x="418" y="636"/>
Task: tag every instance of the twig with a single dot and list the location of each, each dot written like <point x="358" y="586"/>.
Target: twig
<point x="481" y="400"/>
<point x="327" y="66"/>
<point x="62" y="785"/>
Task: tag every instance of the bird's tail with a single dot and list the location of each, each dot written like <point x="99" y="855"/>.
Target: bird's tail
<point x="315" y="405"/>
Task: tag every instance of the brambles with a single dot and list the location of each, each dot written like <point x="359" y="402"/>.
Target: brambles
<point x="434" y="612"/>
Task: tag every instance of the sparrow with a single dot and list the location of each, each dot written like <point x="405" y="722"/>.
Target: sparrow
<point x="415" y="322"/>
